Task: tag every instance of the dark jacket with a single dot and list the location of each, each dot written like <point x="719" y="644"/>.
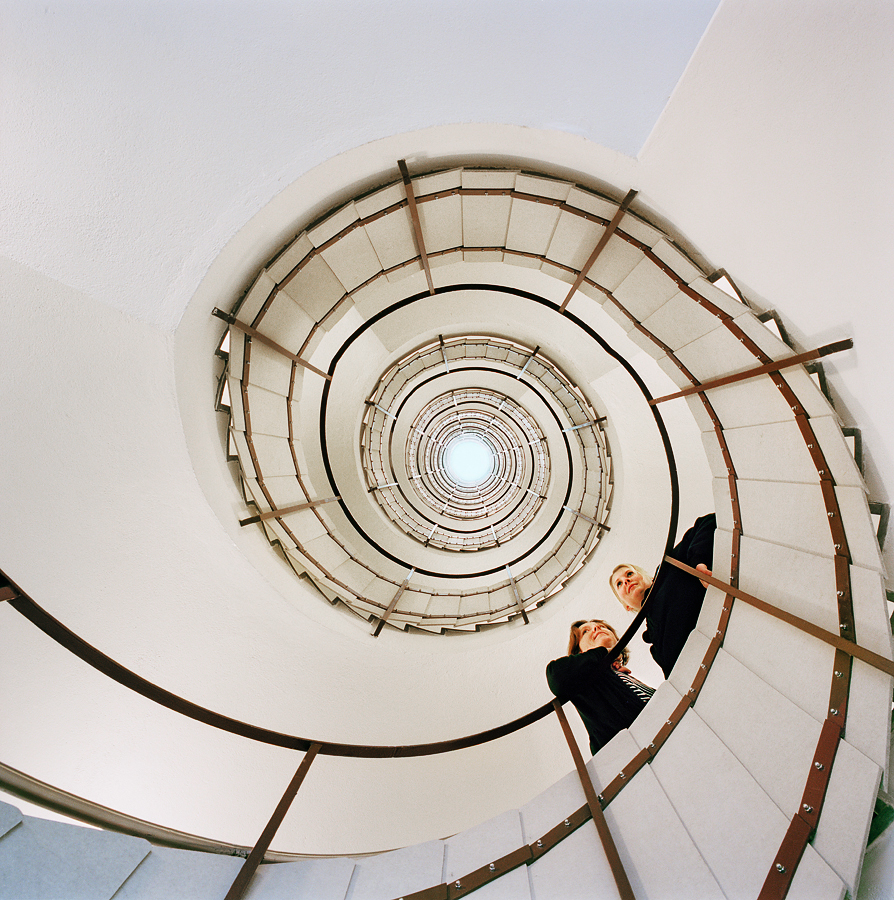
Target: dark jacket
<point x="674" y="603"/>
<point x="606" y="703"/>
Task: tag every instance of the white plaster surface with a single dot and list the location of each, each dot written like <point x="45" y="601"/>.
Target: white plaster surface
<point x="198" y="105"/>
<point x="875" y="882"/>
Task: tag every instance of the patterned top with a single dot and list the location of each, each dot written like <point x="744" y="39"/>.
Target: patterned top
<point x="640" y="689"/>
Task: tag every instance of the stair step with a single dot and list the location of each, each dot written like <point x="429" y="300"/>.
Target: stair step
<point x="734" y="824"/>
<point x="40" y="859"/>
<point x="321" y="879"/>
<point x="397" y="873"/>
<point x="185" y="874"/>
<point x="652" y="840"/>
<point x="9" y="818"/>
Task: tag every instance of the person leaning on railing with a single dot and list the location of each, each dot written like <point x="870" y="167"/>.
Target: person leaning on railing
<point x="607" y="696"/>
<point x="673" y="607"/>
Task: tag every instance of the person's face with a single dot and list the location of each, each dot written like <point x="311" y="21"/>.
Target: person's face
<point x="631" y="588"/>
<point x="595" y="634"/>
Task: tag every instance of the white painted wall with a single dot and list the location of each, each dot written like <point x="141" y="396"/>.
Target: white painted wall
<point x="145" y="134"/>
<point x="773" y="157"/>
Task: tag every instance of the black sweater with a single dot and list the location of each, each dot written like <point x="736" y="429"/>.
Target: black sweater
<point x="606" y="702"/>
<point x="673" y="605"/>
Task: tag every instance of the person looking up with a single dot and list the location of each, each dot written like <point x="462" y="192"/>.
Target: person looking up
<point x="607" y="697"/>
<point x="673" y="607"/>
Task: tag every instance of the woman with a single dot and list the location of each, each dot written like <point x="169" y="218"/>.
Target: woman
<point x="607" y="697"/>
<point x="674" y="605"/>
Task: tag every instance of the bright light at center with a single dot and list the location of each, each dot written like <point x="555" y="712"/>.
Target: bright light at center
<point x="468" y="460"/>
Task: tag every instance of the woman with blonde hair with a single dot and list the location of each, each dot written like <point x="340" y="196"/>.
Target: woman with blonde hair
<point x="607" y="697"/>
<point x="674" y="606"/>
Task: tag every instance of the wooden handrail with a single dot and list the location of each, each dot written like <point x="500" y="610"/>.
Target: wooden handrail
<point x="605" y="836"/>
<point x="765" y="369"/>
<point x="53" y="628"/>
<point x="840" y="643"/>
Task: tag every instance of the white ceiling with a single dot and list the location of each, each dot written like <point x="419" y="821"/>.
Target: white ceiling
<point x="145" y="134"/>
<point x="156" y="154"/>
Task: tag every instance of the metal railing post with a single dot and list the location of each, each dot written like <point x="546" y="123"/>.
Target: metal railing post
<point x="605" y="835"/>
<point x="243" y="879"/>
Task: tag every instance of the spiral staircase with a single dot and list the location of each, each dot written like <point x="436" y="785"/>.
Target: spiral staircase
<point x="362" y="352"/>
<point x="310" y="453"/>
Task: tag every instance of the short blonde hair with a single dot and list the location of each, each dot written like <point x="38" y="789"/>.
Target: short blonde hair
<point x="611" y="578"/>
<point x="574" y="639"/>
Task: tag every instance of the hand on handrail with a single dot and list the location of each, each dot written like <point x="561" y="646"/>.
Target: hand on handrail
<point x="703" y="568"/>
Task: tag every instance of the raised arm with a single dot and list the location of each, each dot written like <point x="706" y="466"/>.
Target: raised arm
<point x="566" y="675"/>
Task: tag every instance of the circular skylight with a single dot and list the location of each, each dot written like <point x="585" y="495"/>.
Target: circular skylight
<point x="469" y="460"/>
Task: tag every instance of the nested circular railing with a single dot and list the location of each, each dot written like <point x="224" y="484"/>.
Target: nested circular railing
<point x="788" y="496"/>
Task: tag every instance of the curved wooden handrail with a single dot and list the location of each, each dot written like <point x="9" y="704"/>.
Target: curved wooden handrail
<point x="75" y="644"/>
<point x="72" y="642"/>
